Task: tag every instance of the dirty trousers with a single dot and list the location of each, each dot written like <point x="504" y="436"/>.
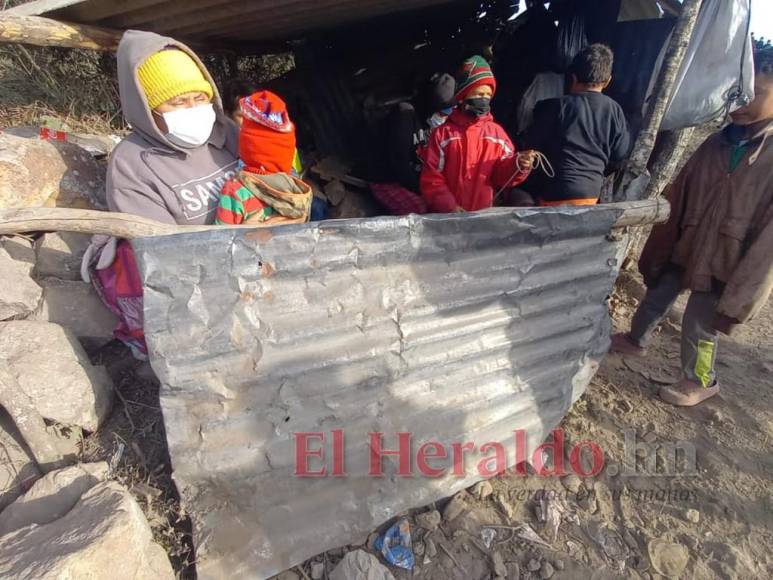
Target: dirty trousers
<point x="699" y="339"/>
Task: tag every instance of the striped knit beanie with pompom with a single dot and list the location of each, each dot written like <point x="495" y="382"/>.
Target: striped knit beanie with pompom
<point x="474" y="73"/>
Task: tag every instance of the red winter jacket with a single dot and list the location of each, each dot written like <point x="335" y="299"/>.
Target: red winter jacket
<point x="466" y="162"/>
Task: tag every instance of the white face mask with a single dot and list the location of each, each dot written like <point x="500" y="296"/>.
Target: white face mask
<point x="190" y="127"/>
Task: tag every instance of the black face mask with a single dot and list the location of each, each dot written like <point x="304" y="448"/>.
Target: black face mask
<point x="477" y="107"/>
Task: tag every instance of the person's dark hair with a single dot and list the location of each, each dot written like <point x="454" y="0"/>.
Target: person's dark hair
<point x="763" y="58"/>
<point x="234" y="91"/>
<point x="593" y="65"/>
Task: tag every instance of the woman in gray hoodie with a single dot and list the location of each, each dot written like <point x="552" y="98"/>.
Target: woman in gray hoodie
<point x="171" y="168"/>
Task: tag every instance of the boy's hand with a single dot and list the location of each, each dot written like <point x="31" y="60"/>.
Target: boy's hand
<point x="526" y="160"/>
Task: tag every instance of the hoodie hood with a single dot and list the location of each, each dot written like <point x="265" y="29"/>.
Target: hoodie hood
<point x="135" y="47"/>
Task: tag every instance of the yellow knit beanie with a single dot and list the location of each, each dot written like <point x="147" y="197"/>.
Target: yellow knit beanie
<point x="170" y="73"/>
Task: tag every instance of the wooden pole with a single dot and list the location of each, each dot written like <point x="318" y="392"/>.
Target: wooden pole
<point x="86" y="221"/>
<point x="121" y="225"/>
<point x="674" y="145"/>
<point x="672" y="62"/>
<point x="39" y="31"/>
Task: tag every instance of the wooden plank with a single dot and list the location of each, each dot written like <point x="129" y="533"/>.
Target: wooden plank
<point x="121" y="225"/>
<point x="38" y="7"/>
<point x="39" y="31"/>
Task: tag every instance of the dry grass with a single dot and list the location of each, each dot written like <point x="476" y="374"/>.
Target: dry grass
<point x="133" y="442"/>
<point x="72" y="86"/>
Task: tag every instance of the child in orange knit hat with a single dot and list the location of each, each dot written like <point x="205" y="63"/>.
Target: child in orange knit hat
<point x="264" y="187"/>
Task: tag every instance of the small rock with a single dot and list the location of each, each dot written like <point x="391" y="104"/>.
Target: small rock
<point x="502" y="502"/>
<point x="359" y="565"/>
<point x="498" y="564"/>
<point x="629" y="540"/>
<point x="430" y="547"/>
<point x="692" y="515"/>
<point x="534" y="565"/>
<point x="546" y="570"/>
<point x="668" y="558"/>
<point x="19" y="294"/>
<point x="716" y="417"/>
<point x="641" y="563"/>
<point x="455" y="507"/>
<point x="65" y="302"/>
<point x="53" y="370"/>
<point x="18" y="471"/>
<point x="482" y="490"/>
<point x="43" y="173"/>
<point x="571" y="483"/>
<point x="59" y="255"/>
<point x="52" y="496"/>
<point x="317" y="570"/>
<point x="430" y="520"/>
<point x="559" y="564"/>
<point x="105" y="522"/>
<point x="691" y="542"/>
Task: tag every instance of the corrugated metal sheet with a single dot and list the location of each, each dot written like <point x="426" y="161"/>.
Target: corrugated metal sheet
<point x="258" y="20"/>
<point x="453" y="328"/>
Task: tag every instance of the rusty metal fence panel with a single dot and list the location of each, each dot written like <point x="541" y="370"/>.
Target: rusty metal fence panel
<point x="459" y="328"/>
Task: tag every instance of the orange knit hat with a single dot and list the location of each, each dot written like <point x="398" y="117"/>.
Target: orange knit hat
<point x="267" y="138"/>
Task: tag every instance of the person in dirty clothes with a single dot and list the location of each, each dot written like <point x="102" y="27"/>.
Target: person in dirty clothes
<point x="406" y="135"/>
<point x="583" y="134"/>
<point x="718" y="243"/>
<point x="470" y="157"/>
<point x="409" y="126"/>
<point x="171" y="167"/>
<point x="265" y="189"/>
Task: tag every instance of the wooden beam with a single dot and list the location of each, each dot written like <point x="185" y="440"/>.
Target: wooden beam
<point x="38" y="7"/>
<point x="672" y="62"/>
<point x="674" y="145"/>
<point x="121" y="225"/>
<point x="39" y="31"/>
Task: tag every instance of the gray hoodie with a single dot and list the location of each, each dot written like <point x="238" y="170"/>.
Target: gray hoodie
<point x="147" y="175"/>
<point x="151" y="177"/>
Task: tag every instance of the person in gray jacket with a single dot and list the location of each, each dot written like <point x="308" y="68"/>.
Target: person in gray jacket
<point x="170" y="169"/>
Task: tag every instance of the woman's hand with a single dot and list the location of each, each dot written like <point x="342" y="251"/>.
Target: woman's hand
<point x="526" y="160"/>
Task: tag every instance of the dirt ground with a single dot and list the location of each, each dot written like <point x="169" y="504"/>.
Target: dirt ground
<point x="715" y="514"/>
<point x="718" y="516"/>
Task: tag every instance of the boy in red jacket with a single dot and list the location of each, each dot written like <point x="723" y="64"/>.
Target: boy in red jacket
<point x="470" y="157"/>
